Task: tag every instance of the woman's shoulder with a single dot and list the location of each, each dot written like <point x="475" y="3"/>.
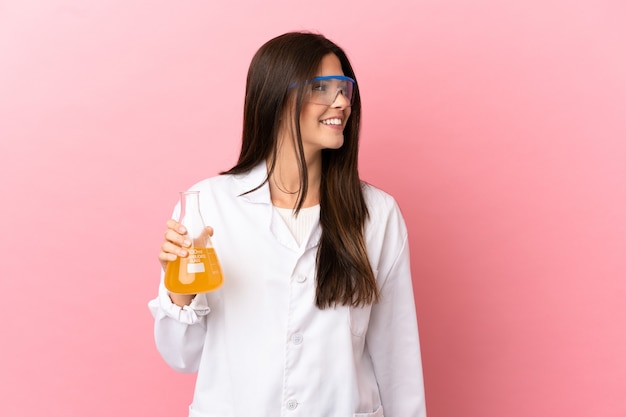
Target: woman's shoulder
<point x="385" y="229"/>
<point x="210" y="182"/>
<point x="382" y="208"/>
<point x="378" y="200"/>
<point x="242" y="181"/>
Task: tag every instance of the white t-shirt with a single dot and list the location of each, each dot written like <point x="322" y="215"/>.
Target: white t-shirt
<point x="302" y="224"/>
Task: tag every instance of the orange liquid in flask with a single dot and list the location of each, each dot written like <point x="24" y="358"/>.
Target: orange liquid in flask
<point x="199" y="272"/>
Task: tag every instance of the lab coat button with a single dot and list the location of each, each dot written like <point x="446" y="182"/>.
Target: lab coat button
<point x="297" y="338"/>
<point x="292" y="404"/>
<point x="301" y="278"/>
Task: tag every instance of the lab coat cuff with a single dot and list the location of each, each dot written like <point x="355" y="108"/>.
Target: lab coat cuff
<point x="189" y="314"/>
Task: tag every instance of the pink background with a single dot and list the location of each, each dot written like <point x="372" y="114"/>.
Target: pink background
<point x="499" y="126"/>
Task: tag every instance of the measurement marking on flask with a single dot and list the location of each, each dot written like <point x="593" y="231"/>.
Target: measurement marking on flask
<point x="214" y="263"/>
<point x="195" y="268"/>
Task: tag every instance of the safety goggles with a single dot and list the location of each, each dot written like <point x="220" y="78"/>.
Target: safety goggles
<point x="324" y="90"/>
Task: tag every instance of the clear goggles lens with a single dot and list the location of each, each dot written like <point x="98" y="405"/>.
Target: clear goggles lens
<point x="324" y="90"/>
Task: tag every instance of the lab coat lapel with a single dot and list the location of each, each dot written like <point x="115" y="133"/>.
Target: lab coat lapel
<point x="251" y="180"/>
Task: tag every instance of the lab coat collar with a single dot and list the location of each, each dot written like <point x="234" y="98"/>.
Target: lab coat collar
<point x="252" y="179"/>
<point x="249" y="181"/>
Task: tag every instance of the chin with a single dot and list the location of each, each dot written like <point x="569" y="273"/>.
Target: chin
<point x="335" y="145"/>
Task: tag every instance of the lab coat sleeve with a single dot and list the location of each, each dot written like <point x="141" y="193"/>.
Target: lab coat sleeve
<point x="392" y="336"/>
<point x="179" y="333"/>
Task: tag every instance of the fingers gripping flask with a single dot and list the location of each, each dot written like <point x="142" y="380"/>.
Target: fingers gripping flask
<point x="200" y="270"/>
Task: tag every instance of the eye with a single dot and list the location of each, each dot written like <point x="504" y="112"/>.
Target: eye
<point x="319" y="86"/>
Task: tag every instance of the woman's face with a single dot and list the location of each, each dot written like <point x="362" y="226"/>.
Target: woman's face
<point x="321" y="125"/>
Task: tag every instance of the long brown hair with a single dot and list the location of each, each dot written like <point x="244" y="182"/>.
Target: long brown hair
<point x="276" y="75"/>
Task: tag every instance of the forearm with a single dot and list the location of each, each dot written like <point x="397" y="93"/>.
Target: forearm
<point x="181" y="300"/>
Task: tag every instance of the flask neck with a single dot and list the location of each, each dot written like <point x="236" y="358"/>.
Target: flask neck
<point x="189" y="203"/>
<point x="190" y="215"/>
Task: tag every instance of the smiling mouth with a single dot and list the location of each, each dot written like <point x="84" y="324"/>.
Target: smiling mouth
<point x="332" y="122"/>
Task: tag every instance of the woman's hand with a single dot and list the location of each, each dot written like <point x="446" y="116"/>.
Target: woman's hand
<point x="176" y="242"/>
<point x="174" y="246"/>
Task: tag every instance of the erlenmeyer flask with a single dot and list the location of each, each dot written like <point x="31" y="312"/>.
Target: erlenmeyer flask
<point x="200" y="270"/>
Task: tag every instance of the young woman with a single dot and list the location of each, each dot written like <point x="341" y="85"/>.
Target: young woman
<point x="316" y="315"/>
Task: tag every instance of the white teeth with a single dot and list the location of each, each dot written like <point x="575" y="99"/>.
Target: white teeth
<point x="336" y="122"/>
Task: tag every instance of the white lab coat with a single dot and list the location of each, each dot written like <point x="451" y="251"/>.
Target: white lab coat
<point x="260" y="345"/>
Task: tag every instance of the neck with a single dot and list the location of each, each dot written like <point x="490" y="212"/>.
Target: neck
<point x="285" y="181"/>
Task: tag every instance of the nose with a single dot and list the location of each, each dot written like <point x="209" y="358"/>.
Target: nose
<point x="341" y="101"/>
